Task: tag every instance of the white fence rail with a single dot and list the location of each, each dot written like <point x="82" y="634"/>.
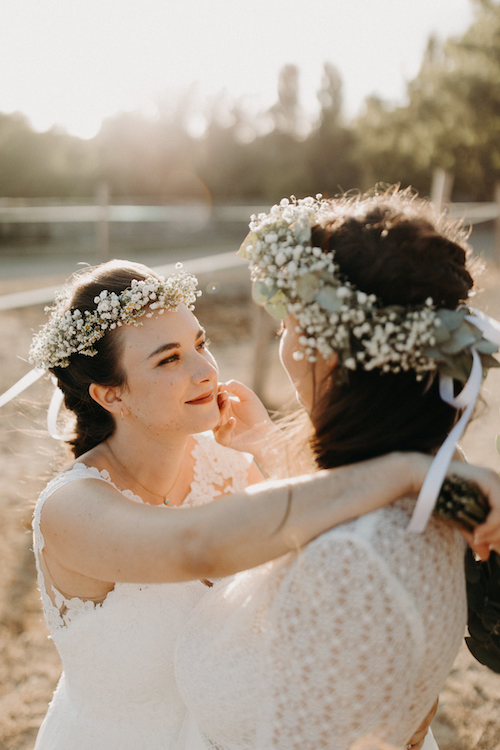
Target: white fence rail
<point x="196" y="213"/>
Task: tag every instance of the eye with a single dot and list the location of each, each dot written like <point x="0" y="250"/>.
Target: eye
<point x="204" y="344"/>
<point x="168" y="360"/>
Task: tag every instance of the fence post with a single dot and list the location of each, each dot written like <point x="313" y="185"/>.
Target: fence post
<point x="442" y="185"/>
<point x="102" y="200"/>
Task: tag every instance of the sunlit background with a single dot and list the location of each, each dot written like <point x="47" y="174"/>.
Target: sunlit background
<point x="151" y="130"/>
<point x="114" y="114"/>
<point x="74" y="63"/>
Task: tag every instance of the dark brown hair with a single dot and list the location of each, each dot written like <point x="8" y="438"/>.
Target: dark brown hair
<point x="394" y="246"/>
<point x="93" y="423"/>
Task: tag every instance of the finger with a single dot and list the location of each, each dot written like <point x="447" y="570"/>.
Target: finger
<point x="223" y="434"/>
<point x="489" y="531"/>
<point x="238" y="389"/>
<point x="481" y="550"/>
<point x="222" y="399"/>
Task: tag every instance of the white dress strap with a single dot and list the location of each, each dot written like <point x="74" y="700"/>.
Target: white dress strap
<point x="60" y="610"/>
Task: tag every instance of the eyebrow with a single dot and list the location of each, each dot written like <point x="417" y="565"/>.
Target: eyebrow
<point x="173" y="345"/>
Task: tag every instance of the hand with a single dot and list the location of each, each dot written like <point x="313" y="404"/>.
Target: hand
<point x="418" y="738"/>
<point x="486" y="536"/>
<point x="244" y="421"/>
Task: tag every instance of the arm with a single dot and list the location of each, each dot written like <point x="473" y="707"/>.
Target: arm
<point x="91" y="529"/>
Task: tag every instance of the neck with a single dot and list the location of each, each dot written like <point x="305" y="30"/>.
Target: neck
<point x="157" y="467"/>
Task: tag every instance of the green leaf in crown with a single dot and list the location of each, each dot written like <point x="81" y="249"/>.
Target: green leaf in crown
<point x="327" y="298"/>
<point x="262" y="293"/>
<point x="277" y="305"/>
<point x="250" y="241"/>
<point x="306" y="286"/>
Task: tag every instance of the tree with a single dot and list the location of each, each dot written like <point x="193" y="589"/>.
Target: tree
<point x="452" y="119"/>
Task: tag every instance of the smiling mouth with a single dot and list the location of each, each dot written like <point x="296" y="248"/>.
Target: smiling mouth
<point x="205" y="399"/>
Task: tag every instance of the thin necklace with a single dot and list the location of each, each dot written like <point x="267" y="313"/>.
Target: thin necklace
<point x="156" y="494"/>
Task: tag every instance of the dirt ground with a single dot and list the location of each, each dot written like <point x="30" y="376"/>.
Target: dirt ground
<point x="468" y="716"/>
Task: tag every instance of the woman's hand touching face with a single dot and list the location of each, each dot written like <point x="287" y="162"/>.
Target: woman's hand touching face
<point x="244" y="422"/>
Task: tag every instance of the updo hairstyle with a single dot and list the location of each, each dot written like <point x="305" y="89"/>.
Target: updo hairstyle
<point x="93" y="423"/>
<point x="396" y="247"/>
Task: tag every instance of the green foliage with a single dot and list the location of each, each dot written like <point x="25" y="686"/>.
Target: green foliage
<point x="451" y="120"/>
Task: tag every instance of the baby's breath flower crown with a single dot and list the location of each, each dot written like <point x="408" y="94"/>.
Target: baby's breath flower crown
<point x="69" y="331"/>
<point x="291" y="276"/>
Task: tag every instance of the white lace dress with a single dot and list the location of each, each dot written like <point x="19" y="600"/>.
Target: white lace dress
<point x="350" y="638"/>
<point x="118" y="689"/>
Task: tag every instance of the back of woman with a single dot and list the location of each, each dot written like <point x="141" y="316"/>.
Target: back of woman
<point x="352" y="637"/>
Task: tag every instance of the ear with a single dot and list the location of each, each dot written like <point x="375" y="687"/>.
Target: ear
<point x="108" y="397"/>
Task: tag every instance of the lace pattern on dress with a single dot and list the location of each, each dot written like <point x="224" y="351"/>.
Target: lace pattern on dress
<point x="217" y="471"/>
<point x="353" y="636"/>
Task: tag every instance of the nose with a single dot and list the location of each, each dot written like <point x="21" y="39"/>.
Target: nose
<point x="205" y="368"/>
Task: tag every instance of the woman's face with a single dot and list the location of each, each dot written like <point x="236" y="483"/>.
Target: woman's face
<point x="171" y="375"/>
<point x="306" y="377"/>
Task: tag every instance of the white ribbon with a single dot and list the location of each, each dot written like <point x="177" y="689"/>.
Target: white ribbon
<point x="466" y="400"/>
<point x="55" y="402"/>
<point x="53" y="412"/>
<point x="21" y="385"/>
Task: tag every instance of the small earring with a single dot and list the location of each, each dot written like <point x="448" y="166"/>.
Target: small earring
<point x="121" y="412"/>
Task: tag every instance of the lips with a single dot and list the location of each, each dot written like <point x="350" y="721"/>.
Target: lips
<point x="206" y="398"/>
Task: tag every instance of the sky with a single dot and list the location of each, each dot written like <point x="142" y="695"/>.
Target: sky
<point x="72" y="63"/>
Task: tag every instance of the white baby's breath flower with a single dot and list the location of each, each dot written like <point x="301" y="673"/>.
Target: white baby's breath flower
<point x="70" y="331"/>
<point x="332" y="315"/>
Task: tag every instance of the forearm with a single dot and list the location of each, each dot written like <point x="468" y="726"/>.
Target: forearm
<point x="272" y="519"/>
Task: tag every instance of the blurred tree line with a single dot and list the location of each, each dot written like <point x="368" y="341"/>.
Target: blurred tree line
<point x="224" y="150"/>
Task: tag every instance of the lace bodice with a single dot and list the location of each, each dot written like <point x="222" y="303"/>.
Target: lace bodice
<point x="118" y="689"/>
<point x="354" y="635"/>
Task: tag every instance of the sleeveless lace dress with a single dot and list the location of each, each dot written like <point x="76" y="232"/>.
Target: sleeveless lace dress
<point x="350" y="638"/>
<point x="118" y="689"/>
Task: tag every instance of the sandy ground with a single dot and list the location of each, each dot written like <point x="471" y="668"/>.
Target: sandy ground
<point x="468" y="717"/>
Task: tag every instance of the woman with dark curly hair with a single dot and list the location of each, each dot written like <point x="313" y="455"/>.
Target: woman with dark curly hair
<point x="346" y="643"/>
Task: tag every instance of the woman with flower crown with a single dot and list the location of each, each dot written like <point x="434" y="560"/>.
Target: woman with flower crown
<point x="125" y="539"/>
<point x="347" y="642"/>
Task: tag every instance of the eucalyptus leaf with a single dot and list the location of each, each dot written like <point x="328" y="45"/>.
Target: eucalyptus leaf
<point x="486" y="347"/>
<point x="307" y="285"/>
<point x="277" y="305"/>
<point x="457" y="367"/>
<point x="432" y="352"/>
<point x="488" y="361"/>
<point x="441" y="333"/>
<point x="461" y="338"/>
<point x="452" y="318"/>
<point x="250" y="239"/>
<point x="261" y="293"/>
<point x="328" y="299"/>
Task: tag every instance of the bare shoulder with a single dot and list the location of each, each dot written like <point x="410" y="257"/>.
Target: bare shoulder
<point x="75" y="500"/>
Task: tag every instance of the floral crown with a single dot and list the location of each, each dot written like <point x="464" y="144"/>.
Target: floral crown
<point x="69" y="331"/>
<point x="291" y="276"/>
